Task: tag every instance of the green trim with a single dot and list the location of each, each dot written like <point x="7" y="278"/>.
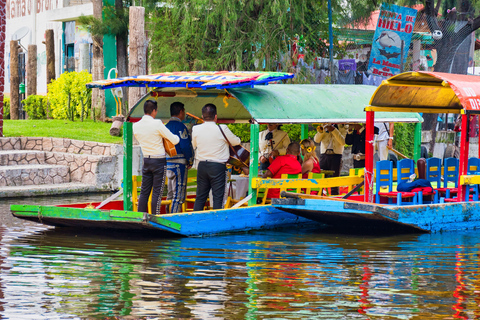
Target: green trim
<point x="304" y="131"/>
<point x="127" y="166"/>
<point x="254" y="133"/>
<point x="417" y="142"/>
<point x="24" y="208"/>
<point x="165" y="222"/>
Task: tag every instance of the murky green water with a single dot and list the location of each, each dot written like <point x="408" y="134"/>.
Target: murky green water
<point x="49" y="273"/>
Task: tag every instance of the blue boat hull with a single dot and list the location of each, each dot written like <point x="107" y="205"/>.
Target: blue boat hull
<point x="349" y="215"/>
<point x="189" y="224"/>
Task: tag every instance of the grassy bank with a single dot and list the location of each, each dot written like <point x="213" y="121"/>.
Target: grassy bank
<point x="87" y="130"/>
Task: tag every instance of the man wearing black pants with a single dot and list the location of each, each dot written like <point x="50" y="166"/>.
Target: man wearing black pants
<point x="150" y="133"/>
<point x="211" y="153"/>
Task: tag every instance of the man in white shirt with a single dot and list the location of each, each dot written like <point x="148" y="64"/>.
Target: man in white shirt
<point x="384" y="139"/>
<point x="273" y="142"/>
<point x="150" y="133"/>
<point x="332" y="142"/>
<point x="211" y="153"/>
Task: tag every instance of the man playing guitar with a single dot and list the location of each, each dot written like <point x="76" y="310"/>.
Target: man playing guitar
<point x="272" y="143"/>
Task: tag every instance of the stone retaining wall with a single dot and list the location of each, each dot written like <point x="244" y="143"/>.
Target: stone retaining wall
<point x="98" y="164"/>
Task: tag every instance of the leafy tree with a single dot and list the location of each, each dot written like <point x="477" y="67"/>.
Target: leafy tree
<point x="238" y="35"/>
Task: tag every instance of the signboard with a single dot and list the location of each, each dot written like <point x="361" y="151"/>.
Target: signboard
<point x="392" y="35"/>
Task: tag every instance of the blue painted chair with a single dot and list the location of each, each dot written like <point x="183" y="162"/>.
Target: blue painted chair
<point x="384" y="178"/>
<point x="405" y="168"/>
<point x="434" y="175"/>
<point x="450" y="174"/>
<point x="473" y="168"/>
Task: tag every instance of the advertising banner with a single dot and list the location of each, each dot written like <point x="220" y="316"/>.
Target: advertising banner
<point x="392" y="35"/>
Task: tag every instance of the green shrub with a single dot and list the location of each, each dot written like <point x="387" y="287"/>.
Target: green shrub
<point x="66" y="94"/>
<point x="6" y="108"/>
<point x="404" y="135"/>
<point x="36" y="107"/>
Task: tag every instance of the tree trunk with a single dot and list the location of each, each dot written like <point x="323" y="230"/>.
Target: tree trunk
<point x="3" y="22"/>
<point x="98" y="96"/>
<point x="50" y="48"/>
<point x="14" y="81"/>
<point x="32" y="70"/>
<point x="122" y="56"/>
<point x="137" y="51"/>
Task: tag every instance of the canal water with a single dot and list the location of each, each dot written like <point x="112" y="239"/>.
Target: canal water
<point x="49" y="273"/>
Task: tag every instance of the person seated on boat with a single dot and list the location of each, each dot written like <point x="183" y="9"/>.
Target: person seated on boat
<point x="272" y="142"/>
<point x="149" y="133"/>
<point x="177" y="166"/>
<point x="211" y="154"/>
<point x="332" y="142"/>
<point x="310" y="160"/>
<point x="356" y="138"/>
<point x="287" y="164"/>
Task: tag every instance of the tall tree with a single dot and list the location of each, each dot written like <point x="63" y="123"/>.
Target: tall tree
<point x="458" y="24"/>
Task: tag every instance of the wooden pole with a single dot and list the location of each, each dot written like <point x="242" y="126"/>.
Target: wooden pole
<point x="98" y="95"/>
<point x="463" y="160"/>
<point x="50" y="49"/>
<point x="369" y="149"/>
<point x="137" y="52"/>
<point x="14" y="81"/>
<point x="3" y="22"/>
<point x="32" y="70"/>
<point x="254" y="133"/>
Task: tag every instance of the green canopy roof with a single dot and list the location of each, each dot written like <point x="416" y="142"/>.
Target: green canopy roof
<point x="313" y="103"/>
<point x="276" y="103"/>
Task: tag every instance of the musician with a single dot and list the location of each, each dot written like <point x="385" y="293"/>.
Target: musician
<point x="332" y="141"/>
<point x="356" y="138"/>
<point x="177" y="166"/>
<point x="384" y="139"/>
<point x="211" y="153"/>
<point x="287" y="164"/>
<point x="150" y="133"/>
<point x="272" y="143"/>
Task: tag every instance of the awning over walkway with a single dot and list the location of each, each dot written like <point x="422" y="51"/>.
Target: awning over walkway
<point x="428" y="92"/>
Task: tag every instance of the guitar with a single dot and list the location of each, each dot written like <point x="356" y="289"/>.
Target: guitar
<point x="239" y="156"/>
<point x="169" y="147"/>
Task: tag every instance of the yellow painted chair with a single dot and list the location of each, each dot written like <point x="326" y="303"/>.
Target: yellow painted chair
<point x="136" y="186"/>
<point x="291" y="176"/>
<point x="312" y="175"/>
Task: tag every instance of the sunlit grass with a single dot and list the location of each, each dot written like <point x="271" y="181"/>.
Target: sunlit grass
<point x="87" y="130"/>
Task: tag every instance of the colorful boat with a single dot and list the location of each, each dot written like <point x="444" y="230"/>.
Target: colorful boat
<point x="425" y="92"/>
<point x="241" y="97"/>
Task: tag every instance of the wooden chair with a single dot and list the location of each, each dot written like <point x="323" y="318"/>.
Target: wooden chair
<point x="434" y="175"/>
<point x="136" y="186"/>
<point x="312" y="175"/>
<point x="472" y="169"/>
<point x="405" y="168"/>
<point x="384" y="178"/>
<point x="450" y="174"/>
<point x="291" y="176"/>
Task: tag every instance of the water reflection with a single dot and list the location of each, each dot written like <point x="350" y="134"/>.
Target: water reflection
<point x="54" y="273"/>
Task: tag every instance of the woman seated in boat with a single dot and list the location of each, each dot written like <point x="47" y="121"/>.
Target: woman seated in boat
<point x="310" y="160"/>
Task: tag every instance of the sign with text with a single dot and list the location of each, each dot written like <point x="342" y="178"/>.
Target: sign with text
<point x="392" y="35"/>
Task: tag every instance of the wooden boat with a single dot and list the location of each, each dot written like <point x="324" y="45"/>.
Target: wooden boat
<point x="241" y="97"/>
<point x="427" y="92"/>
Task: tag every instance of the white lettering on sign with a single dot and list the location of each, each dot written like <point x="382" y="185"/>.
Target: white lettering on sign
<point x="474" y="103"/>
<point x="469" y="92"/>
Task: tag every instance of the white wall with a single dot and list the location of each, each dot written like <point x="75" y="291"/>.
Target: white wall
<point x="50" y="14"/>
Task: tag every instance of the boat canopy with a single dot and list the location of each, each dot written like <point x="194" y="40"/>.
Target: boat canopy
<point x="240" y="98"/>
<point x="428" y="92"/>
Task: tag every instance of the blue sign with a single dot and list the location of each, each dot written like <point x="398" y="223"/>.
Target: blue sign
<point x="393" y="33"/>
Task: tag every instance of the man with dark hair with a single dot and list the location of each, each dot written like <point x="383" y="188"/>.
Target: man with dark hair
<point x="211" y="153"/>
<point x="150" y="133"/>
<point x="287" y="164"/>
<point x="177" y="166"/>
